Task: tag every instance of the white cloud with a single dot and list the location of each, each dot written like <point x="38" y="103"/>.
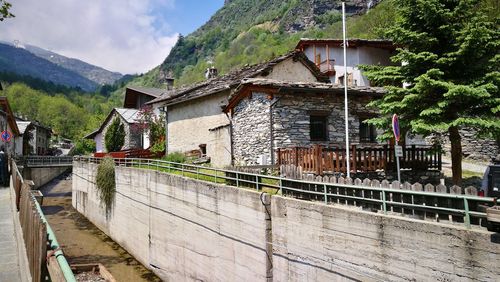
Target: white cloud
<point x="119" y="35"/>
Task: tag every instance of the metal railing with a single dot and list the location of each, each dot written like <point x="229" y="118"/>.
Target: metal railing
<point x="436" y="206"/>
<point x="46" y="161"/>
<point x="34" y="223"/>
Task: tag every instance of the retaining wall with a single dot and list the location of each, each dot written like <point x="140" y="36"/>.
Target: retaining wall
<point x="43" y="175"/>
<point x="185" y="229"/>
<point x="180" y="228"/>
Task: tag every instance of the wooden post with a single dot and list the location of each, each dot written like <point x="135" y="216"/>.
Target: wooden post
<point x="385" y="158"/>
<point x="354" y="158"/>
<point x="296" y="156"/>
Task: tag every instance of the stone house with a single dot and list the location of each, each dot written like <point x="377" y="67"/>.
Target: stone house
<point x="194" y="116"/>
<point x="328" y="55"/>
<point x="268" y="114"/>
<point x="39" y="138"/>
<point x="128" y="117"/>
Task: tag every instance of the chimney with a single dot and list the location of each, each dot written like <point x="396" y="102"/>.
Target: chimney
<point x="211" y="72"/>
<point x="169" y="81"/>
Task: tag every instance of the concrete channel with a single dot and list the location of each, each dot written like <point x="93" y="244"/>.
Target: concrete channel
<point x="82" y="241"/>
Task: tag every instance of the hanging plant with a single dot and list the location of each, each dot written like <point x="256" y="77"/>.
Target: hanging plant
<point x="106" y="184"/>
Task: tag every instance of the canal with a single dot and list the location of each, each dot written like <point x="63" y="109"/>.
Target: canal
<point x="82" y="241"/>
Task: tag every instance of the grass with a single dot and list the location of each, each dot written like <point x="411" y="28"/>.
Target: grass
<point x="214" y="176"/>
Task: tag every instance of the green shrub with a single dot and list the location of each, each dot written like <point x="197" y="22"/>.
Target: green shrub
<point x="106" y="185"/>
<point x="175" y="157"/>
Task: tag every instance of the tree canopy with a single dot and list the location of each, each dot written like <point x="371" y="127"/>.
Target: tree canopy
<point x="449" y="62"/>
<point x="4" y="10"/>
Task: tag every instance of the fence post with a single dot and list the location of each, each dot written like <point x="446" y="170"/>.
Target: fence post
<point x="296" y="156"/>
<point x="354" y="158"/>
<point x="318" y="162"/>
<point x="467" y="215"/>
<point x="386" y="161"/>
<point x="325" y="193"/>
<point x="384" y="204"/>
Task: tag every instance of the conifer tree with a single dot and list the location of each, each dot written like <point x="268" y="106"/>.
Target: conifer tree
<point x="449" y="61"/>
<point x="115" y="136"/>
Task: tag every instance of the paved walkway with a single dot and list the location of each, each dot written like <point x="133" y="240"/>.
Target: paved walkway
<point x="9" y="267"/>
<point x="475" y="167"/>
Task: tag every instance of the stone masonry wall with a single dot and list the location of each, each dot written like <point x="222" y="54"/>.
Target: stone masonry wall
<point x="251" y="129"/>
<point x="291" y="123"/>
<point x="476" y="148"/>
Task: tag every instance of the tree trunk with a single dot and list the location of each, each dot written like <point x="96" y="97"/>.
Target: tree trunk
<point x="456" y="156"/>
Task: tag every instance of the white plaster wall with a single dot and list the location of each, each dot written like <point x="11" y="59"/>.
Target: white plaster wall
<point x="189" y="125"/>
<point x="99" y="144"/>
<point x="355" y="56"/>
<point x="289" y="70"/>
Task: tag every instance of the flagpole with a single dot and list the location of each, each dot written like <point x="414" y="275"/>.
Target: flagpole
<point x="348" y="159"/>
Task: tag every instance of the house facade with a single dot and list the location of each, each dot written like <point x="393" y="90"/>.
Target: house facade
<point x="128" y="117"/>
<point x="7" y="125"/>
<point x="328" y="55"/>
<point x="33" y="139"/>
<point x="195" y="120"/>
<point x="270" y="114"/>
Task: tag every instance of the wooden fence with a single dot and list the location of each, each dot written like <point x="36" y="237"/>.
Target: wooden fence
<point x="320" y="160"/>
<point x="131" y="153"/>
<point x="34" y="228"/>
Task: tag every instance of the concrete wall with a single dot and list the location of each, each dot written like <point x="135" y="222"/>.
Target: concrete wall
<point x="184" y="229"/>
<point x="314" y="242"/>
<point x="42" y="175"/>
<point x="179" y="228"/>
<point x="190" y="124"/>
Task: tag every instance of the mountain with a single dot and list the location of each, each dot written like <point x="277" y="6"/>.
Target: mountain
<point x="49" y="66"/>
<point x="91" y="72"/>
<point x="249" y="31"/>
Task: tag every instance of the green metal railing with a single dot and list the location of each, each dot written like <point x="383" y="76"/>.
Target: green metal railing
<point x="46" y="161"/>
<point x="386" y="200"/>
<point x="53" y="244"/>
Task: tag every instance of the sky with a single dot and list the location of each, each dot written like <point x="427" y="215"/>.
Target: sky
<point x="128" y="36"/>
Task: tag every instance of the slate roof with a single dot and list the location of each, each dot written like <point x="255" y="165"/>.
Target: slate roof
<point x="233" y="79"/>
<point x="300" y="87"/>
<point x="154" y="92"/>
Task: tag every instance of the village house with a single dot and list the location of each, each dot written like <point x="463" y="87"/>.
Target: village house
<point x="135" y="98"/>
<point x="195" y="120"/>
<point x="8" y="126"/>
<point x="289" y="114"/>
<point x="33" y="139"/>
<point x="133" y="138"/>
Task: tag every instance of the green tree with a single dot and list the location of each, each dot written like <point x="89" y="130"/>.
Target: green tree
<point x="4" y="10"/>
<point x="450" y="62"/>
<point x="115" y="136"/>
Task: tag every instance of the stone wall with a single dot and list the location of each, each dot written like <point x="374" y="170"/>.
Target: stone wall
<point x="251" y="129"/>
<point x="183" y="229"/>
<point x="291" y="123"/>
<point x="475" y="147"/>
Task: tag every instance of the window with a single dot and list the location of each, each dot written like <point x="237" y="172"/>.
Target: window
<point x="367" y="132"/>
<point x="318" y="127"/>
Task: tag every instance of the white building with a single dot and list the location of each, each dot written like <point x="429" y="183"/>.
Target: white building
<point x="328" y="55"/>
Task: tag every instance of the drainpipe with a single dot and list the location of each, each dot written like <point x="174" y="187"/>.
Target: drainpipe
<point x="231" y="137"/>
<point x="271" y="118"/>
<point x="54" y="245"/>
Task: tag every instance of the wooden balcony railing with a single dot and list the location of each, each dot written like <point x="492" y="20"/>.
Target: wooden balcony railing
<point x="319" y="160"/>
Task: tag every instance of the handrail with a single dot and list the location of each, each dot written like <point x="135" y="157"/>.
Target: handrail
<point x="54" y="244"/>
<point x="238" y="178"/>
